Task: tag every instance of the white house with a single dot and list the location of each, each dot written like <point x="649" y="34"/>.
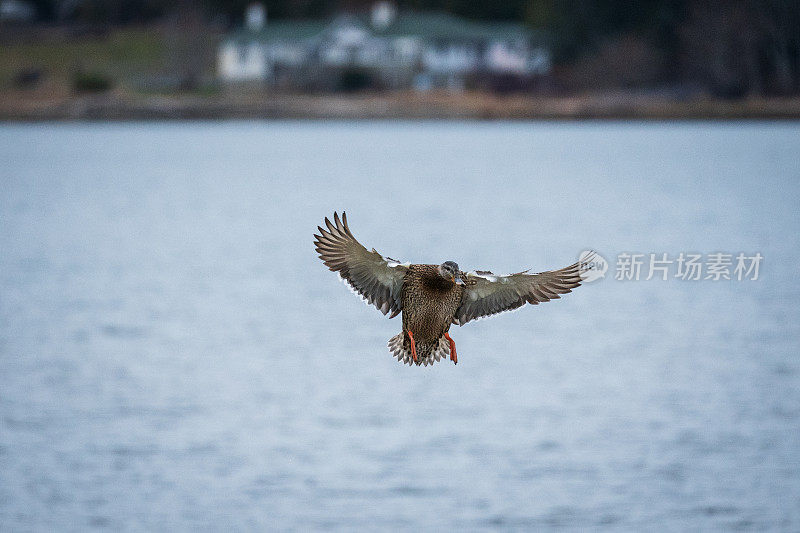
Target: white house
<point x="386" y="48"/>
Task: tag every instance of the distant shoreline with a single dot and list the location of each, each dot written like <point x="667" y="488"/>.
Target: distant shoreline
<point x="400" y="106"/>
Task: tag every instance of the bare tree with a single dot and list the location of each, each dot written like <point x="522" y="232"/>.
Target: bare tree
<point x="188" y="45"/>
<point x="740" y="47"/>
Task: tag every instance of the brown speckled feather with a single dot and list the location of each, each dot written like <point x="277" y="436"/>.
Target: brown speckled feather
<point x="429" y="304"/>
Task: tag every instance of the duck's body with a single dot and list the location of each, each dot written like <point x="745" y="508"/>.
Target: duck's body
<point x="432" y="297"/>
<point x="429" y="304"/>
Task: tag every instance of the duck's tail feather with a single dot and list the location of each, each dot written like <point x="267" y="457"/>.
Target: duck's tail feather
<point x="427" y="353"/>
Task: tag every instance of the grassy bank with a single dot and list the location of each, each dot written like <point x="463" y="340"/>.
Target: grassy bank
<point x="122" y="56"/>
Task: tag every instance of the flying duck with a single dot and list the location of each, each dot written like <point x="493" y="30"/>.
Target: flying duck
<point x="432" y="297"/>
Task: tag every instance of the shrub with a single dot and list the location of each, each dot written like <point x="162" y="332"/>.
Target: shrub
<point x="90" y="82"/>
<point x="355" y="80"/>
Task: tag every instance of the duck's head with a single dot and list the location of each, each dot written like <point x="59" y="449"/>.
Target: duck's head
<point x="449" y="271"/>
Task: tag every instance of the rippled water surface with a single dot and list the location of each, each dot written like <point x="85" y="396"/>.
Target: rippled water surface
<point x="173" y="356"/>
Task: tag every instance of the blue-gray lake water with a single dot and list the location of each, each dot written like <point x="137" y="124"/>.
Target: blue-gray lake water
<point x="174" y="356"/>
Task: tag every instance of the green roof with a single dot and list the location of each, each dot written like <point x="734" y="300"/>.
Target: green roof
<point x="445" y="26"/>
<point x="418" y="24"/>
<point x="281" y="30"/>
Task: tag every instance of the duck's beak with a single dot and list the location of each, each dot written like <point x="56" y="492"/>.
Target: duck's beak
<point x="458" y="281"/>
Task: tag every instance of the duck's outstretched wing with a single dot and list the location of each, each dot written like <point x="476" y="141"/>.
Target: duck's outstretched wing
<point x="486" y="294"/>
<point x="377" y="279"/>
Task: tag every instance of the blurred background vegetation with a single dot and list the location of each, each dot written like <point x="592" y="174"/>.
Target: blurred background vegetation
<point x="725" y="48"/>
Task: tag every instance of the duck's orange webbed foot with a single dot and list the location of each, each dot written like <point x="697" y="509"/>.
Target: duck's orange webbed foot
<point x="453" y="356"/>
<point x="413" y="346"/>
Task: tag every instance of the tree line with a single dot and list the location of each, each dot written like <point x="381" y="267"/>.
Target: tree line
<point x="730" y="47"/>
